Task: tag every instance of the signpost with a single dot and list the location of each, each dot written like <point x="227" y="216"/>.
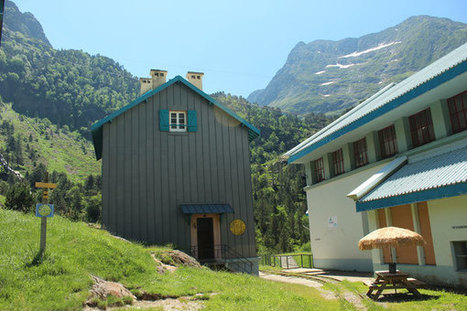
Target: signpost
<point x="44" y="210"/>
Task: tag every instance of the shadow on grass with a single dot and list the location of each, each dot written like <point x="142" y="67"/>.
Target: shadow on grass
<point x="406" y="297"/>
<point x="37" y="260"/>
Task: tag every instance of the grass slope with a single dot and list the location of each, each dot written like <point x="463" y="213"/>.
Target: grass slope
<point x="59" y="150"/>
<point x="75" y="250"/>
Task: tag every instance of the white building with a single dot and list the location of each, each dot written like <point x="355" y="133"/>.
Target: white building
<point x="399" y="158"/>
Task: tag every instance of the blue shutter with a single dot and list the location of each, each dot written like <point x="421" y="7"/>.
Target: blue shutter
<point x="192" y="121"/>
<point x="164" y="120"/>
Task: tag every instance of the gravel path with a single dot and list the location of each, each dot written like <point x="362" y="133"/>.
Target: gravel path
<point x="352" y="298"/>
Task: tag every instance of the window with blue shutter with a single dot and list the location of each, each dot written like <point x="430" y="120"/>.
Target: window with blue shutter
<point x="164" y="120"/>
<point x="192" y="121"/>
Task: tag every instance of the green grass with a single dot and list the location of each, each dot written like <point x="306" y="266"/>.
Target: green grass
<point x="432" y="299"/>
<point x="63" y="151"/>
<point x="2" y="200"/>
<point x="75" y="250"/>
<point x="61" y="281"/>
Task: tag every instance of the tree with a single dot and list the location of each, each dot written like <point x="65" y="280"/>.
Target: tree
<point x="38" y="174"/>
<point x="19" y="197"/>
<point x="93" y="209"/>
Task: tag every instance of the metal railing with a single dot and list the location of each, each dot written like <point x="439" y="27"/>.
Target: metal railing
<point x="222" y="255"/>
<point x="288" y="261"/>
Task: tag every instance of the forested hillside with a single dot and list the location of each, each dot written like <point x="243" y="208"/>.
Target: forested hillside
<point x="49" y="98"/>
<point x="66" y="86"/>
<point x="329" y="76"/>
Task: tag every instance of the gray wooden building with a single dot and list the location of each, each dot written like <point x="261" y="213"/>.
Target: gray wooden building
<point x="175" y="169"/>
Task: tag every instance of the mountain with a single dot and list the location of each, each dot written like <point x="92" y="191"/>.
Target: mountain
<point x="26" y="142"/>
<point x="329" y="76"/>
<point x="66" y="86"/>
<point x="50" y="97"/>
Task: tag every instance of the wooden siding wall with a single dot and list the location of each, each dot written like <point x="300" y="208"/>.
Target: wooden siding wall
<point x="382" y="223"/>
<point x="425" y="228"/>
<point x="402" y="218"/>
<point x="147" y="174"/>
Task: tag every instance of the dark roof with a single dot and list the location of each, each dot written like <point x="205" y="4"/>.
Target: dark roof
<point x="96" y="128"/>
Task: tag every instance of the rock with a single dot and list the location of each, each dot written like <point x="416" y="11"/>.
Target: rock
<point x="183" y="259"/>
<point x="101" y="289"/>
<point x="162" y="267"/>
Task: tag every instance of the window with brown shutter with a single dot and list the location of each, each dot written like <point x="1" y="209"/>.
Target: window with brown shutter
<point x="387" y="141"/>
<point x="360" y="152"/>
<point x="421" y="128"/>
<point x="458" y="112"/>
<point x="338" y="162"/>
<point x="319" y="169"/>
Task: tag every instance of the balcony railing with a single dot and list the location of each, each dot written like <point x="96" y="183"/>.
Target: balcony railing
<point x="222" y="254"/>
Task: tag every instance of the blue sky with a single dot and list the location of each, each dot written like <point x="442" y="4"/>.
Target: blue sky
<point x="239" y="45"/>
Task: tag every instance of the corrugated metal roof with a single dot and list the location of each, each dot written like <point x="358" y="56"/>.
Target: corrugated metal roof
<point x="206" y="208"/>
<point x="438" y="171"/>
<point x="387" y="99"/>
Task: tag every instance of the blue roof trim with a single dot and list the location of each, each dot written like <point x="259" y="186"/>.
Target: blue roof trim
<point x="417" y="91"/>
<point x="414" y="197"/>
<point x="96" y="128"/>
<point x="206" y="208"/>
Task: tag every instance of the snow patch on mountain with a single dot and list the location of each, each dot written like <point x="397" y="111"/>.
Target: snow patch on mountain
<point x="379" y="47"/>
<point x="340" y="65"/>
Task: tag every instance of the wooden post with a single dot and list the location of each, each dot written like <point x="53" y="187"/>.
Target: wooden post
<point x="45" y="199"/>
<point x="301" y="260"/>
<point x="43" y="234"/>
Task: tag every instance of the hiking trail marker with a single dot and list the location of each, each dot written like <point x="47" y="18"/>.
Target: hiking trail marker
<point x="44" y="210"/>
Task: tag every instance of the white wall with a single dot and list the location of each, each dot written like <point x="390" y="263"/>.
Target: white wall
<point x="337" y="248"/>
<point x="444" y="214"/>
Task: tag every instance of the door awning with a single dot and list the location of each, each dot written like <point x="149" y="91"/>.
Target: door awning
<point x="206" y="208"/>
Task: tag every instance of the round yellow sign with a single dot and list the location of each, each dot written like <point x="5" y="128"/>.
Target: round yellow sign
<point x="237" y="227"/>
<point x="45" y="210"/>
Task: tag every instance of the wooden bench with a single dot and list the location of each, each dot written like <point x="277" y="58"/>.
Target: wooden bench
<point x="371" y="284"/>
<point x="416" y="283"/>
<point x="386" y="280"/>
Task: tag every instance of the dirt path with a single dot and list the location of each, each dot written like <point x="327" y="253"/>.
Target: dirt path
<point x="350" y="297"/>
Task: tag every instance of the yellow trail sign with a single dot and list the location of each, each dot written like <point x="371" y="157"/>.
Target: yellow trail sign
<point x="45" y="185"/>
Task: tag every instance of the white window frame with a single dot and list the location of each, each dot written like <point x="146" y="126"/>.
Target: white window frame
<point x="178" y="126"/>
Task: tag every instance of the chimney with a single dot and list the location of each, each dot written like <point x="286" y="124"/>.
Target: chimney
<point x="195" y="78"/>
<point x="145" y="85"/>
<point x="158" y="77"/>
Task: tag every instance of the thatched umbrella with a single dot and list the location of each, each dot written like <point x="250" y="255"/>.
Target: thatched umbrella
<point x="390" y="237"/>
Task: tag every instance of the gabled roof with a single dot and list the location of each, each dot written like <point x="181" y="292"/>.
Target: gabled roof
<point x="431" y="175"/>
<point x="389" y="98"/>
<point x="96" y="128"/>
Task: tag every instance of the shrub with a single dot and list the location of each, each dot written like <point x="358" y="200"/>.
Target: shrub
<point x="19" y="197"/>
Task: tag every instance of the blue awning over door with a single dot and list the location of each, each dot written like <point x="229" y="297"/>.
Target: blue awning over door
<point x="206" y="208"/>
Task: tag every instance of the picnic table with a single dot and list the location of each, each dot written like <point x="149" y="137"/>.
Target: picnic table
<point x="387" y="280"/>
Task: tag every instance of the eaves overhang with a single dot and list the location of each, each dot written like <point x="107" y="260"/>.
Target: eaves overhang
<point x="403" y="92"/>
<point x="433" y="174"/>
